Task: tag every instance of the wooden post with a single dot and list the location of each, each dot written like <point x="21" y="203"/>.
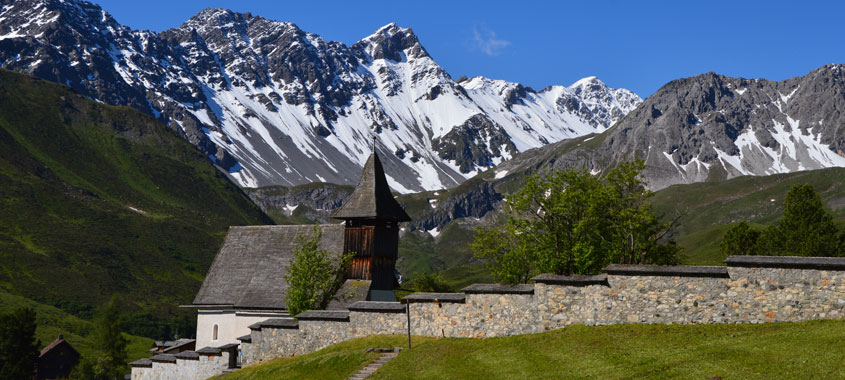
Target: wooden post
<point x="408" y="313"/>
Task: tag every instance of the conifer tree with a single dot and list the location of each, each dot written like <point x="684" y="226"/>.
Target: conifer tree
<point x="18" y="347"/>
<point x="806" y="229"/>
<point x="740" y="239"/>
<point x="110" y="363"/>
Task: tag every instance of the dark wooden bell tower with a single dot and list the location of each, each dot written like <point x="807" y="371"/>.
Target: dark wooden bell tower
<point x="372" y="218"/>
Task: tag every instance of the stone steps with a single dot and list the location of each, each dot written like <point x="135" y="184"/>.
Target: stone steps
<point x="373" y="366"/>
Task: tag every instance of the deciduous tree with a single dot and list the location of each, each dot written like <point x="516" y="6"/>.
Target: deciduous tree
<point x="571" y="221"/>
<point x="314" y="276"/>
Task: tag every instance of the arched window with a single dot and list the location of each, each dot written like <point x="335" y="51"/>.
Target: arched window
<point x="214" y="333"/>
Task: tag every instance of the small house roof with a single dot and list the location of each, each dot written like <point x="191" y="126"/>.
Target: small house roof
<point x="56" y="343"/>
<point x="249" y="270"/>
<point x="372" y="198"/>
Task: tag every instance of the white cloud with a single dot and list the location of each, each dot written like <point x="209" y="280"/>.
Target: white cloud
<point x="484" y="39"/>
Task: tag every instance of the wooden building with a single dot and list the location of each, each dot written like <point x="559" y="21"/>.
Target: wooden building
<point x="56" y="360"/>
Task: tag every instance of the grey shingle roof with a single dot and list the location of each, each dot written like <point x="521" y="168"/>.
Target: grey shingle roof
<point x="249" y="270"/>
<point x="352" y="291"/>
<point x="372" y="198"/>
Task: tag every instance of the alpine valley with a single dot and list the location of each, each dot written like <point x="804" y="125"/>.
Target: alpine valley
<point x="102" y="195"/>
<point x="274" y="105"/>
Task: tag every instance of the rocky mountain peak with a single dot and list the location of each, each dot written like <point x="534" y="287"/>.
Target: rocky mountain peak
<point x="712" y="127"/>
<point x="391" y="42"/>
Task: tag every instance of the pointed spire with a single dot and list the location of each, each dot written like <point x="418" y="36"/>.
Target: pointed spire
<point x="372" y="198"/>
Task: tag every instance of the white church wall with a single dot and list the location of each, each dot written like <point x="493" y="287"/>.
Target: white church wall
<point x="231" y="325"/>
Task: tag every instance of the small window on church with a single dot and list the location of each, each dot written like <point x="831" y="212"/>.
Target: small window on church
<point x="214" y="333"/>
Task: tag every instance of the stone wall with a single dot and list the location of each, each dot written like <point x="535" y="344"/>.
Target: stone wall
<point x="200" y="364"/>
<point x="750" y="289"/>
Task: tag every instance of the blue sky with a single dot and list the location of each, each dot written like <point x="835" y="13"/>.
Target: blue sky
<point x="635" y="45"/>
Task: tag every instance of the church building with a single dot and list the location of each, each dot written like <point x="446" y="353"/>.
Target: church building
<point x="246" y="284"/>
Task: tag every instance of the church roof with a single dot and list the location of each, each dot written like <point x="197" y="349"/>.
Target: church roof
<point x="372" y="198"/>
<point x="249" y="270"/>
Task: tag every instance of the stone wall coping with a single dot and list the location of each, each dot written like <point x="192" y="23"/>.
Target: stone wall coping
<point x="188" y="355"/>
<point x="246" y="338"/>
<point x="279" y="323"/>
<point x="791" y="262"/>
<point x="210" y="351"/>
<point x="228" y="346"/>
<point x="499" y="289"/>
<point x="377" y="307"/>
<point x="667" y="270"/>
<point x="571" y="280"/>
<point x="145" y="362"/>
<point x="435" y="297"/>
<point x="324" y="315"/>
<point x="163" y="358"/>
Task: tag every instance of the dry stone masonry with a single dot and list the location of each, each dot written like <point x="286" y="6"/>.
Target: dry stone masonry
<point x="200" y="364"/>
<point x="750" y="289"/>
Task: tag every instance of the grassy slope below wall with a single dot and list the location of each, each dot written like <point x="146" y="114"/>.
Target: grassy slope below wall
<point x="97" y="200"/>
<point x="805" y="350"/>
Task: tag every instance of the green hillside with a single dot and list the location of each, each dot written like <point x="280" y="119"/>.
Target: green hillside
<point x="78" y="332"/>
<point x="705" y="211"/>
<point x="805" y="350"/>
<point x="99" y="200"/>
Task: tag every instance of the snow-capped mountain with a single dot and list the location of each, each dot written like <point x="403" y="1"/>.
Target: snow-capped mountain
<point x="272" y="104"/>
<point x="713" y="127"/>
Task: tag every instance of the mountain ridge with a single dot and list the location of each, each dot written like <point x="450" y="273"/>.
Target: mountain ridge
<point x="737" y="126"/>
<point x="272" y="104"/>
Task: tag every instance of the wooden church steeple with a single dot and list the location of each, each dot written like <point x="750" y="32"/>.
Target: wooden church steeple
<point x="372" y="217"/>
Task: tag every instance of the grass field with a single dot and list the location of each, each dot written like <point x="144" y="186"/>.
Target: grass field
<point x="805" y="350"/>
